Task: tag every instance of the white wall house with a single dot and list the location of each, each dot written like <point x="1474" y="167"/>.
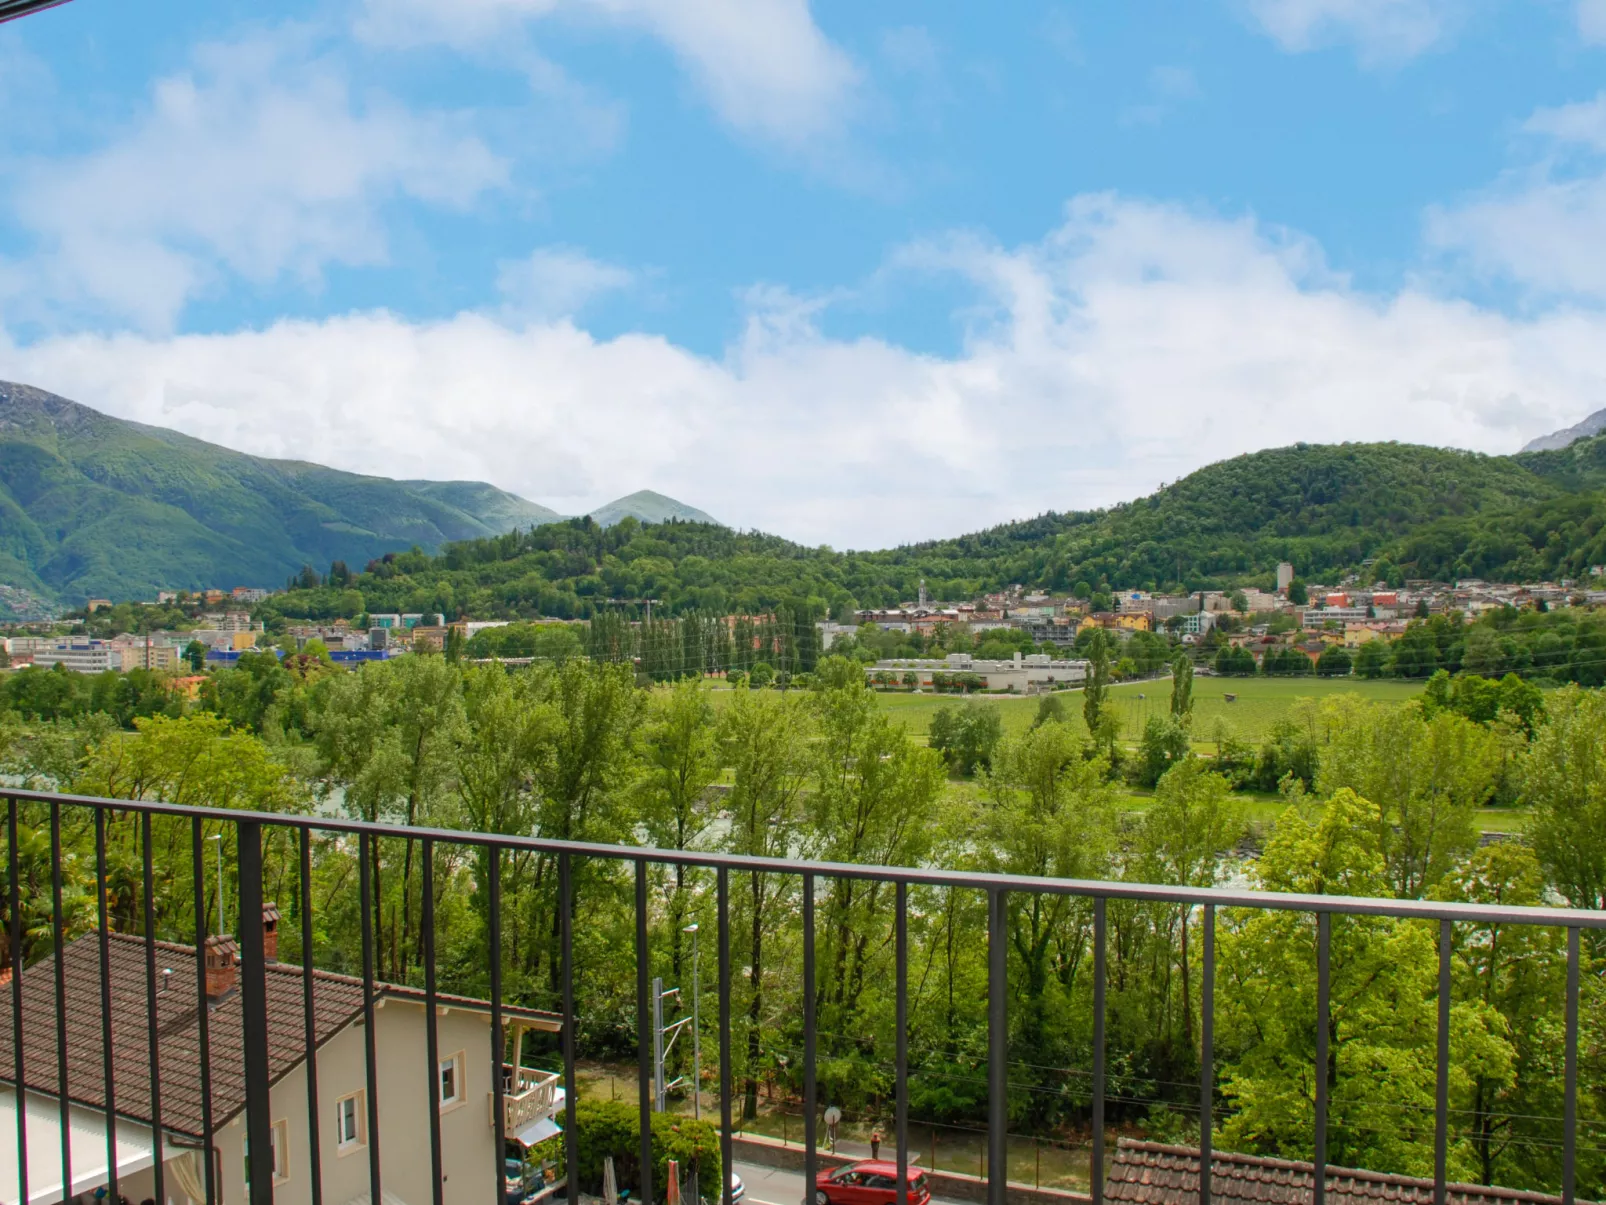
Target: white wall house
<point x="471" y="1162"/>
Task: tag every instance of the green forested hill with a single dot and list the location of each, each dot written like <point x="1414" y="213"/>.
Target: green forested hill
<point x="1403" y="511"/>
<point x="95" y="506"/>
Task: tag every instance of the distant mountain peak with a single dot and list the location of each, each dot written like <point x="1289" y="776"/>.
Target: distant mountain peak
<point x="1556" y="440"/>
<point x="649" y="507"/>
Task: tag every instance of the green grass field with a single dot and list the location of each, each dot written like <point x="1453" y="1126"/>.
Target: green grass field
<point x="1256" y="705"/>
<point x="1258" y="702"/>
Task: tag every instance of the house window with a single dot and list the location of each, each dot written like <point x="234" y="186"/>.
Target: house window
<point x="351" y="1123"/>
<point x="280" y="1138"/>
<point x="451" y="1080"/>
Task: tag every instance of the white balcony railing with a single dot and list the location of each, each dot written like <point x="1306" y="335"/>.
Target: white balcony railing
<point x="527" y="1096"/>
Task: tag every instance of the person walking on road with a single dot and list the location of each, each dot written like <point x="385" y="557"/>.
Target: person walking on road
<point x="875" y="1143"/>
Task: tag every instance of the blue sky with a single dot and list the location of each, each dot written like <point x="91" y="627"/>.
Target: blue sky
<point x="853" y="273"/>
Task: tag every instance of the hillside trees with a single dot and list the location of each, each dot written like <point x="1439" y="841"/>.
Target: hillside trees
<point x="1564" y="777"/>
<point x="1426" y="778"/>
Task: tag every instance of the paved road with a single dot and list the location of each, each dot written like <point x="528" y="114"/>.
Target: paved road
<point x="778" y="1186"/>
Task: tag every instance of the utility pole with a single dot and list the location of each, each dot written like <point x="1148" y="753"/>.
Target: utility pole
<point x="663" y="1041"/>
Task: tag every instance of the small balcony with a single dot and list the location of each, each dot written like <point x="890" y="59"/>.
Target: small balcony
<point x="529" y="1097"/>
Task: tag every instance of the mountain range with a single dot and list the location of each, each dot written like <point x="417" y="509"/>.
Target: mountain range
<point x="95" y="506"/>
<point x="1384" y="511"/>
<point x="1556" y="440"/>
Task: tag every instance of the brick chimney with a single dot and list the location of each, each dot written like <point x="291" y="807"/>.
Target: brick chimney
<point x="270" y="932"/>
<point x="222" y="965"/>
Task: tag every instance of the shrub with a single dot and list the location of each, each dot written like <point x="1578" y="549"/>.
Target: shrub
<point x="613" y="1127"/>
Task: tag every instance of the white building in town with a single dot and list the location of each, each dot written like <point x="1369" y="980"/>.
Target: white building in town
<point x="1021" y="674"/>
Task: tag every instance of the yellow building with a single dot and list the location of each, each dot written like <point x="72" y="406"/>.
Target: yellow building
<point x="1357" y="634"/>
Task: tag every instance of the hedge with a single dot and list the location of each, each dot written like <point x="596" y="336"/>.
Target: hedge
<point x="613" y="1127"/>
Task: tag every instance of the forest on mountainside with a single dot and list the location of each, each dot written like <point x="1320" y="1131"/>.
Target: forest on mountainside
<point x="1388" y="511"/>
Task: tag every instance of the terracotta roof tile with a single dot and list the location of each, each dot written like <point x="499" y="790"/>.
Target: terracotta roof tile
<point x="337" y="1003"/>
<point x="1153" y="1173"/>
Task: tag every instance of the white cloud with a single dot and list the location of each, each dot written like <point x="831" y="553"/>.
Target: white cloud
<point x="1592" y="20"/>
<point x="1582" y="123"/>
<point x="257" y="163"/>
<point x="1382" y="31"/>
<point x="1134" y="343"/>
<point x="557" y="282"/>
<point x="1543" y="225"/>
<point x="764" y="65"/>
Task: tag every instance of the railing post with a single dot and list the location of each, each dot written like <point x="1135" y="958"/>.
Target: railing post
<point x="254" y="1014"/>
<point x="644" y="1069"/>
<point x="493" y="878"/>
<point x="1569" y="1148"/>
<point x="203" y="1024"/>
<point x="107" y="1070"/>
<point x="1441" y="1103"/>
<point x="1324" y="943"/>
<point x="901" y="1070"/>
<point x="153" y="1046"/>
<point x="309" y="1027"/>
<point x="432" y="1041"/>
<point x="58" y="936"/>
<point x="1096" y="1170"/>
<point x="19" y="1080"/>
<point x="368" y="853"/>
<point x="810" y="1137"/>
<point x="725" y="1146"/>
<point x="997" y="1047"/>
<point x="1207" y="1057"/>
<point x="571" y="1137"/>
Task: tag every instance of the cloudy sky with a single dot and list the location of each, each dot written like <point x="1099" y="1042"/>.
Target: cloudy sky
<point x="853" y="273"/>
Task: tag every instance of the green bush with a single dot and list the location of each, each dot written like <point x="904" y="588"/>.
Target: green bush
<point x="613" y="1127"/>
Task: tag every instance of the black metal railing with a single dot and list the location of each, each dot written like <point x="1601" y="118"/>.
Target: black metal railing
<point x="249" y="829"/>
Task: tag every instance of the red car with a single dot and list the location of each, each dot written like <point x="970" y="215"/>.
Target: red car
<point x="869" y="1182"/>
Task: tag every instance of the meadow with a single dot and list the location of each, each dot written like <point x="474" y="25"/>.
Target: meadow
<point x="1257" y="702"/>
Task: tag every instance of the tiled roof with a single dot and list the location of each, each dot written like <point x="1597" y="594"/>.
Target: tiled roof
<point x="337" y="1001"/>
<point x="1153" y="1173"/>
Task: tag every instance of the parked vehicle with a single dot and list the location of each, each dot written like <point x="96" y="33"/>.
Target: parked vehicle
<point x="869" y="1182"/>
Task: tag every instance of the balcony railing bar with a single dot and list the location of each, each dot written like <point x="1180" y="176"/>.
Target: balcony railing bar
<point x="10" y="10"/>
<point x="16" y="994"/>
<point x="722" y="904"/>
<point x="153" y="1043"/>
<point x="1221" y="897"/>
<point x="1100" y="941"/>
<point x="58" y="937"/>
<point x="498" y="1035"/>
<point x="998" y="889"/>
<point x="203" y="1024"/>
<point x="901" y="1023"/>
<point x="644" y="1068"/>
<point x="310" y="1025"/>
<point x="997" y="1044"/>
<point x="432" y="1041"/>
<point x="105" y="1013"/>
<point x="1441" y="1124"/>
<point x="1207" y="1051"/>
<point x="810" y="1038"/>
<point x="571" y="1137"/>
<point x="1324" y="1020"/>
